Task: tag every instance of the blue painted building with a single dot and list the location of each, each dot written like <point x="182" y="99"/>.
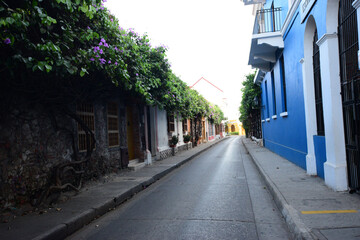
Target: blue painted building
<point x="306" y="53"/>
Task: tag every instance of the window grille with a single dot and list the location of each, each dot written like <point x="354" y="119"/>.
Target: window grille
<point x="273" y="92"/>
<point x="318" y="93"/>
<point x="185" y="125"/>
<point x="171" y="123"/>
<point x="283" y="83"/>
<point x="350" y="88"/>
<point x="86" y="114"/>
<point x="211" y="130"/>
<point x="113" y="124"/>
<point x="266" y="100"/>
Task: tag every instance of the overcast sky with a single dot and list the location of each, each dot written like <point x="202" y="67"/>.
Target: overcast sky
<point x="205" y="38"/>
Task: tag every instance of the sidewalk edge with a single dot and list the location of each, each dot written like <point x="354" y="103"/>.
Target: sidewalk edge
<point x="292" y="219"/>
<point x="64" y="230"/>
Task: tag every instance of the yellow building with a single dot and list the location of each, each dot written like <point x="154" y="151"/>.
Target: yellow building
<point x="234" y="126"/>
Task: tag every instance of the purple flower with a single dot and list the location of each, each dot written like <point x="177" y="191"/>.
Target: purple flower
<point x="116" y="48"/>
<point x="100" y="43"/>
<point x="102" y="40"/>
<point x="7" y="41"/>
<point x="106" y="45"/>
<point x="92" y="59"/>
<point x="112" y="20"/>
<point x="97" y="56"/>
<point x="88" y="28"/>
<point x="137" y="74"/>
<point x="121" y="51"/>
<point x="116" y="63"/>
<point x="109" y="61"/>
<point x="102" y="8"/>
<point x="96" y="49"/>
<point x="101" y="51"/>
<point x="102" y="61"/>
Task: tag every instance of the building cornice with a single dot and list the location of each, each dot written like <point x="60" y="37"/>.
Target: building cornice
<point x="289" y="16"/>
<point x="325" y="37"/>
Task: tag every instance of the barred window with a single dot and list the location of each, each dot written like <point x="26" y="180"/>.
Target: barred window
<point x="185" y="125"/>
<point x="86" y="114"/>
<point x="113" y="124"/>
<point x="171" y="123"/>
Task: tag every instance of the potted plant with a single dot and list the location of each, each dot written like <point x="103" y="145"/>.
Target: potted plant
<point x="173" y="141"/>
<point x="187" y="138"/>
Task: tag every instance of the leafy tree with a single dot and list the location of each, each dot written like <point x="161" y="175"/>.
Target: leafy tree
<point x="250" y="92"/>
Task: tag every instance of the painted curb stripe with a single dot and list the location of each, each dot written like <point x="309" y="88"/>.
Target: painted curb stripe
<point x="329" y="211"/>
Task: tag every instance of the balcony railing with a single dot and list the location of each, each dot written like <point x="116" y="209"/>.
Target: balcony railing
<point x="267" y="20"/>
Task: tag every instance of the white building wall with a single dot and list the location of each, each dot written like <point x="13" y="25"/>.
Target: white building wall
<point x="162" y="133"/>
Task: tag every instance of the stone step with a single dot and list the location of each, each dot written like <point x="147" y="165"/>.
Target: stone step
<point x="136" y="165"/>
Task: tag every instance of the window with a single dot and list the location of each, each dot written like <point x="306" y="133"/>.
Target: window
<point x="171" y="123"/>
<point x="283" y="84"/>
<point x="266" y="100"/>
<point x="273" y="92"/>
<point x="211" y="130"/>
<point x="185" y="125"/>
<point x="86" y="114"/>
<point x="113" y="124"/>
<point x="317" y="83"/>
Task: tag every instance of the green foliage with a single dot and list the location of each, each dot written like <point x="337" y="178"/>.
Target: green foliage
<point x="63" y="43"/>
<point x="174" y="140"/>
<point x="250" y="91"/>
<point x="234" y="133"/>
<point x="187" y="138"/>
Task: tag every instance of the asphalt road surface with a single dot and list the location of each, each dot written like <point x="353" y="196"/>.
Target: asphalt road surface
<point x="217" y="195"/>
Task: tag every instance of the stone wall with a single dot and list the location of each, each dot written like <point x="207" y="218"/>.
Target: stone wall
<point x="30" y="146"/>
<point x="36" y="143"/>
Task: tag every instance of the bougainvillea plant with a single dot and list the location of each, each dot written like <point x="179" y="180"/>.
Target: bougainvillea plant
<point x="58" y="44"/>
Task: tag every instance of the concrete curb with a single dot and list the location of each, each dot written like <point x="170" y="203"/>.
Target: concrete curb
<point x="75" y="223"/>
<point x="292" y="219"/>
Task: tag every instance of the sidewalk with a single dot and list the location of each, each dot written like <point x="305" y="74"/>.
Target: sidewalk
<point x="65" y="218"/>
<point x="298" y="195"/>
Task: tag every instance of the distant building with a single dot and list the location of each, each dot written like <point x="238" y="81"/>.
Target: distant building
<point x="215" y="95"/>
<point x="212" y="93"/>
<point x="234" y="126"/>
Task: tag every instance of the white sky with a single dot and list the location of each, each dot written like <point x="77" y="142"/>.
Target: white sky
<point x="205" y="38"/>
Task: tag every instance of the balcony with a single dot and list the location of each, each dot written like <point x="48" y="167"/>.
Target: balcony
<point x="249" y="2"/>
<point x="266" y="39"/>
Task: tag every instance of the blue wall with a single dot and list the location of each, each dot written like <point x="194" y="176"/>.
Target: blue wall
<point x="286" y="136"/>
<point x="320" y="154"/>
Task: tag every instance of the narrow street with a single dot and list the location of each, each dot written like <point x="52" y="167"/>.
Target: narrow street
<point x="217" y="195"/>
